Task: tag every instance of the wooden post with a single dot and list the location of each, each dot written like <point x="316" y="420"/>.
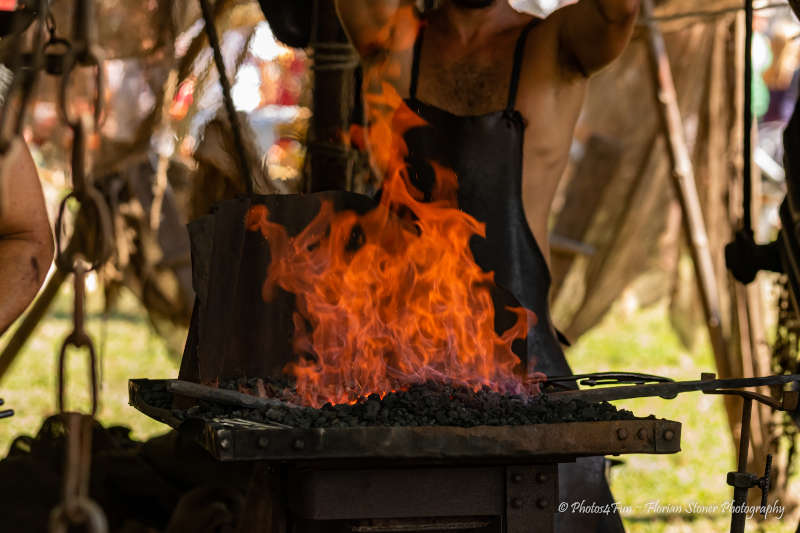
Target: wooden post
<point x="686" y="188"/>
<point x="31" y="320"/>
<point x="335" y="62"/>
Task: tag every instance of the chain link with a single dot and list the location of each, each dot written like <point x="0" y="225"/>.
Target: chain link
<point x="76" y="507"/>
<point x="93" y="231"/>
<point x="78" y="338"/>
<point x="91" y="245"/>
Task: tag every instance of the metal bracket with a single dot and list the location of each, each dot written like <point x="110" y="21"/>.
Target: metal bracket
<point x="531" y="495"/>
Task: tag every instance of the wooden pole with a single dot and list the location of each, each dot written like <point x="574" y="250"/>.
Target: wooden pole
<point x="686" y="188"/>
<point x="335" y="62"/>
<point x="31" y="320"/>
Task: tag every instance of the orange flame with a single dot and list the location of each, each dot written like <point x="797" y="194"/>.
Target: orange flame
<point x="394" y="296"/>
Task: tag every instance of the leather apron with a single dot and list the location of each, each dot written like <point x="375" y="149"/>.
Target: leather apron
<point x="485" y="151"/>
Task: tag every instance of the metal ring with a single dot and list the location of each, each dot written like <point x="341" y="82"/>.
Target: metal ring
<point x="78" y="339"/>
<point x="103" y="237"/>
<point x="63" y="515"/>
<point x="56" y="41"/>
<point x="89" y="56"/>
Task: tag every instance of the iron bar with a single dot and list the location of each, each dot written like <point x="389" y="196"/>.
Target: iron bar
<point x="670" y="390"/>
<point x="747" y="171"/>
<point x="739" y="515"/>
<point x="230" y="397"/>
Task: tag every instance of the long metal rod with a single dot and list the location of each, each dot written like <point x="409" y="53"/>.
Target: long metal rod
<point x="670" y="390"/>
<point x="740" y="493"/>
<point x="686" y="187"/>
<point x="231" y="397"/>
<point x="747" y="171"/>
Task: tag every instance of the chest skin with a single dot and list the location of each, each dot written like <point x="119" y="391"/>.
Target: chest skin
<point x="473" y="79"/>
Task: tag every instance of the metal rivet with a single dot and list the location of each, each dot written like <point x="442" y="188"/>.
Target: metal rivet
<point x="542" y="503"/>
<point x="225" y="444"/>
<point x="516" y="503"/>
<point x="669" y="434"/>
<point x="298" y="444"/>
<point x="641" y="434"/>
<point x="263" y="442"/>
<point x="541" y="477"/>
<point x="516" y="477"/>
<point x="622" y="433"/>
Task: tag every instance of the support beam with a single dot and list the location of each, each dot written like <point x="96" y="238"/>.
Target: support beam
<point x="335" y="62"/>
<point x="686" y="188"/>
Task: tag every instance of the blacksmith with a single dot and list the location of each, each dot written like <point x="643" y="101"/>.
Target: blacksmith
<point x="501" y="92"/>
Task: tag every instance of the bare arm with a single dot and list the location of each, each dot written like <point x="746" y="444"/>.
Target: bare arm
<point x="26" y="241"/>
<point x="594" y="32"/>
<point x="377" y="26"/>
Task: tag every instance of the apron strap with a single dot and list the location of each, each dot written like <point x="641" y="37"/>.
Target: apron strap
<point x="519" y="52"/>
<point x="412" y="90"/>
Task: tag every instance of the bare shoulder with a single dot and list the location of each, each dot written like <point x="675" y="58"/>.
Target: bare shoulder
<point x="545" y="57"/>
<point x="377" y="27"/>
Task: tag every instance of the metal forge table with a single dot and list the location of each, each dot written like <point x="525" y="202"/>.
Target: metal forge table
<point x="483" y="479"/>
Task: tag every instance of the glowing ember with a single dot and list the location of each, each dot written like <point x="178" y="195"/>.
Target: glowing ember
<point x="392" y="297"/>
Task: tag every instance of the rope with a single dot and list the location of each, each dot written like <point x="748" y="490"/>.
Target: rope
<point x="233" y="117"/>
<point x="333" y="56"/>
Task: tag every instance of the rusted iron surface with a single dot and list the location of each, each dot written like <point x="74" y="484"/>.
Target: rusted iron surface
<point x="242" y="440"/>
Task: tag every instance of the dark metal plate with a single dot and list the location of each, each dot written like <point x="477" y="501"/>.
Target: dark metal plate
<point x="243" y="440"/>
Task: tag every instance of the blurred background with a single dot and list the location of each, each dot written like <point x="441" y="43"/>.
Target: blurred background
<point x="623" y="282"/>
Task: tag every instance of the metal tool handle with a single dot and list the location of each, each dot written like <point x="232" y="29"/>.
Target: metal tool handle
<point x="764" y="484"/>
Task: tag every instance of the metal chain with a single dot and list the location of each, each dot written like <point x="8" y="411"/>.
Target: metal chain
<point x="78" y="338"/>
<point x="90" y="246"/>
<point x="93" y="220"/>
<point x="77" y="507"/>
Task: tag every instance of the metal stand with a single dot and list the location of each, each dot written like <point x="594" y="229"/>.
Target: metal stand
<point x="741" y="480"/>
<point x="492" y="499"/>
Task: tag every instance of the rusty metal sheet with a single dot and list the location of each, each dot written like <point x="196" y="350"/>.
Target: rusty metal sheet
<point x="243" y="440"/>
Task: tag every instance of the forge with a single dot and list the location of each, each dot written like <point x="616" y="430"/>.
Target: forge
<point x="477" y="454"/>
<point x="392" y="479"/>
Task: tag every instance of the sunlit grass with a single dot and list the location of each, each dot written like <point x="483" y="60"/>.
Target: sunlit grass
<point x="643" y="341"/>
<point x="131" y="349"/>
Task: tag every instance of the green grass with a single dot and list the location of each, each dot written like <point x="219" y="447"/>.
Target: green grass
<point x="131" y="349"/>
<point x="643" y="341"/>
<point x="638" y="341"/>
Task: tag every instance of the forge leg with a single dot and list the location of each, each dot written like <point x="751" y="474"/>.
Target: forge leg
<point x="531" y="497"/>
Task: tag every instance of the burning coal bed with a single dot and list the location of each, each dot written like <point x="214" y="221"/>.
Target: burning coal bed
<point x="427" y="404"/>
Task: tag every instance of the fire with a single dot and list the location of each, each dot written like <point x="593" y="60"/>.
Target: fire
<point x="394" y="296"/>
